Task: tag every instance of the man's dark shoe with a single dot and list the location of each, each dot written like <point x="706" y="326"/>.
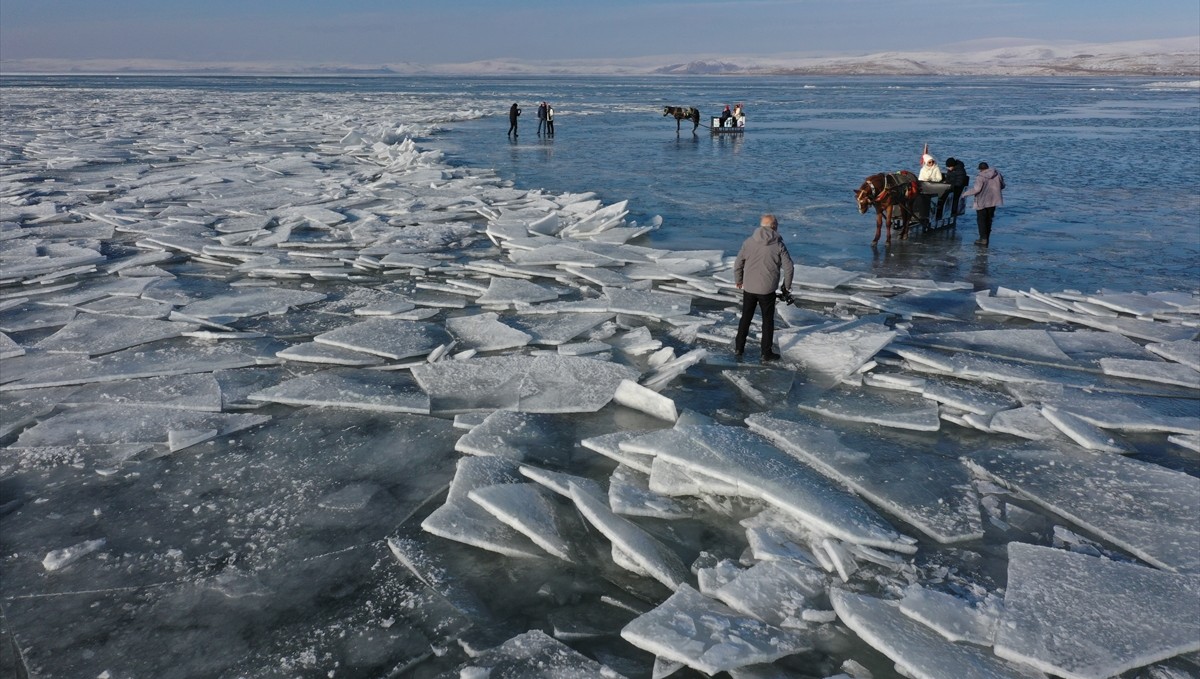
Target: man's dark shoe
<point x="771" y="356"/>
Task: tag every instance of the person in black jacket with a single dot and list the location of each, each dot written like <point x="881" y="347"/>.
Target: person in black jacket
<point x="512" y="119"/>
<point x="956" y="177"/>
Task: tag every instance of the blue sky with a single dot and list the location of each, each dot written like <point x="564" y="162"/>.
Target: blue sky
<point x="369" y="32"/>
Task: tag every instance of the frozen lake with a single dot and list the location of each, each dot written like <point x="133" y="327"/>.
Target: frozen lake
<point x="328" y="377"/>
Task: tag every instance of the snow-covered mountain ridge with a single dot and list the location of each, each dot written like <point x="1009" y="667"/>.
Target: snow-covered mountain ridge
<point x="1166" y="57"/>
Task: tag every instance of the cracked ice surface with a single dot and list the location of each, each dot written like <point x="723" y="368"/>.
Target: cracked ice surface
<point x="245" y="497"/>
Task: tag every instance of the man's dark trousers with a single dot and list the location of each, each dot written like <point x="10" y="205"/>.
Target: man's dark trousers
<point x="767" y="304"/>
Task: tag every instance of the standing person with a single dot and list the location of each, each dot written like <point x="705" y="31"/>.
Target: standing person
<point x="513" y="113"/>
<point x="541" y="113"/>
<point x="956" y="177"/>
<point x="756" y="272"/>
<point x="988" y="192"/>
<point x="549" y="120"/>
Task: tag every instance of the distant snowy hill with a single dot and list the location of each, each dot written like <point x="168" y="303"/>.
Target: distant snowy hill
<point x="1167" y="57"/>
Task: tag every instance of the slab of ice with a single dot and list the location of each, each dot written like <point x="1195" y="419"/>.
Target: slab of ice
<point x="536" y="437"/>
<point x="560" y="482"/>
<point x="1034" y="345"/>
<point x="1084" y="617"/>
<point x="349" y="388"/>
<point x="313" y="352"/>
<point x="647" y="303"/>
<point x="776" y="592"/>
<point x="528" y="509"/>
<point x="250" y="302"/>
<point x="701" y="633"/>
<point x="1142" y="508"/>
<point x="826" y="278"/>
<point x="483" y="332"/>
<point x="98" y="335"/>
<point x="1152" y="371"/>
<point x="952" y="617"/>
<point x="1026" y="422"/>
<point x="548" y="384"/>
<point x="387" y="337"/>
<point x="33" y="317"/>
<point x="674" y="480"/>
<point x="461" y="519"/>
<point x="930" y="492"/>
<point x="655" y="558"/>
<point x="128" y="423"/>
<point x="736" y="455"/>
<point x="632" y="395"/>
<point x="1081" y="432"/>
<point x="1186" y="352"/>
<point x="1150" y="331"/>
<point x="873" y="406"/>
<point x="61" y="558"/>
<point x="509" y="291"/>
<point x="557" y="329"/>
<point x="187" y="392"/>
<point x="532" y="655"/>
<point x="1107" y="411"/>
<point x="1089" y="346"/>
<point x="629" y="494"/>
<point x="969" y="398"/>
<point x="920" y="651"/>
<point x="609" y="445"/>
<point x="773" y="535"/>
<point x="1131" y="303"/>
<point x="827" y="357"/>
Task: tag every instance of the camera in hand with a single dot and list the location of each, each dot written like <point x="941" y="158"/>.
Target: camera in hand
<point x="785" y="295"/>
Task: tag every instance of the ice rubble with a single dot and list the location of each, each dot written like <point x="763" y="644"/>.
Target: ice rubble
<point x="157" y="292"/>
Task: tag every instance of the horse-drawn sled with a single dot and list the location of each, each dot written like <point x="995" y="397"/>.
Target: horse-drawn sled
<point x="900" y="201"/>
<point x="722" y="124"/>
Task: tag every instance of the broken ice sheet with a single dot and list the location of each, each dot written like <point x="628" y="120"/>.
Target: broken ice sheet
<point x="97" y="335"/>
<point x="128" y="423"/>
<point x="532" y="655"/>
<point x="547" y="384"/>
<point x="153" y="361"/>
<point x="629" y="494"/>
<point x="510" y="291"/>
<point x="1141" y="507"/>
<point x="704" y="634"/>
<point x="887" y="408"/>
<point x="922" y="488"/>
<point x="557" y="329"/>
<point x="387" y="337"/>
<point x="315" y="352"/>
<point x="531" y="510"/>
<point x="922" y="652"/>
<point x="250" y="302"/>
<point x="776" y="592"/>
<point x="187" y="392"/>
<point x="534" y="437"/>
<point x="349" y="388"/>
<point x="759" y="469"/>
<point x="1086" y="617"/>
<point x="484" y="332"/>
<point x="952" y="617"/>
<point x="1152" y="371"/>
<point x="654" y="558"/>
<point x="827" y="357"/>
<point x="463" y="520"/>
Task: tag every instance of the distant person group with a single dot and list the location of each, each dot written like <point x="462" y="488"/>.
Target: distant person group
<point x="545" y="116"/>
<point x="951" y="186"/>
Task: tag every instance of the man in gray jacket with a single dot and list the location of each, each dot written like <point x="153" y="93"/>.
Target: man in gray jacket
<point x="988" y="192"/>
<point x="757" y="273"/>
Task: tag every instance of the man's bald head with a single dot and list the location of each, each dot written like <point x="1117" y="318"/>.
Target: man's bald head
<point x="769" y="221"/>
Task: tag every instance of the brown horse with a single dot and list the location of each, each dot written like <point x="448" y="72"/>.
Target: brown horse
<point x="683" y="113"/>
<point x="887" y="192"/>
